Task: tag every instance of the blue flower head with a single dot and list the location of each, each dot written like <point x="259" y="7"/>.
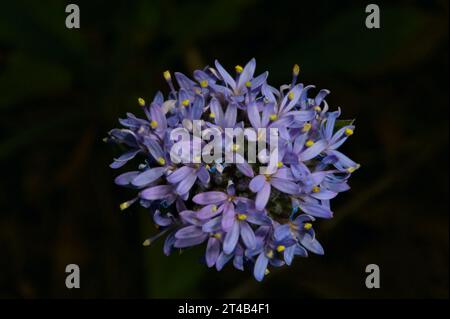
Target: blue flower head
<point x="237" y="212"/>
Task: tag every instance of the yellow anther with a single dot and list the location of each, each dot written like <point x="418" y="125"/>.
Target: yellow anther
<point x="124" y="205"/>
<point x="306" y="127"/>
<point x="266" y="272"/>
<point x="317" y="108"/>
<point x="316" y="189"/>
<point x="154" y="124"/>
<point x="280" y="164"/>
<point x="351" y="169"/>
<point x="270" y="254"/>
<point x="161" y="161"/>
<point x="241" y="216"/>
<point x="248" y="84"/>
<point x="212" y="115"/>
<point x="167" y="75"/>
<point x="239" y="68"/>
<point x="204" y="83"/>
<point x="273" y="117"/>
<point x="291" y="96"/>
<point x="185" y="102"/>
<point x="309" y="143"/>
<point x="214" y="208"/>
<point x="307" y="226"/>
<point x="141" y="101"/>
<point x="217" y="235"/>
<point x="296" y="69"/>
<point x="235" y="147"/>
<point x="348" y="131"/>
<point x="280" y="248"/>
<point x="146" y="242"/>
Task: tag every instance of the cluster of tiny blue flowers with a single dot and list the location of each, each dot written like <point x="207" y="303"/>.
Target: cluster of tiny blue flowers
<point x="255" y="220"/>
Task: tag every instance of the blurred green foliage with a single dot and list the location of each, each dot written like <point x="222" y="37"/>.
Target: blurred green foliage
<point x="61" y="90"/>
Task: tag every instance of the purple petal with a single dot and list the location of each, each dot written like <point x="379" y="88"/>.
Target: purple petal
<point x="188" y="242"/>
<point x="257" y="183"/>
<point x="213" y="225"/>
<point x="231" y="239"/>
<point x="148" y="176"/>
<point x="316" y="210"/>
<point x="313" y="151"/>
<point x="222" y="260"/>
<point x="225" y="75"/>
<point x="180" y="174"/>
<point x="324" y="195"/>
<point x="203" y="175"/>
<point x="212" y="251"/>
<point x="260" y="266"/>
<point x="168" y="244"/>
<point x="247" y="235"/>
<point x="228" y="218"/>
<point x="209" y="198"/>
<point x="207" y="212"/>
<point x="161" y="220"/>
<point x="217" y="110"/>
<point x="311" y="244"/>
<point x="289" y="255"/>
<point x="247" y="73"/>
<point x="156" y="192"/>
<point x="125" y="178"/>
<point x="189" y="232"/>
<point x="285" y="186"/>
<point x="230" y="116"/>
<point x="282" y="232"/>
<point x="253" y="115"/>
<point x="186" y="184"/>
<point x="263" y="197"/>
<point x="245" y="168"/>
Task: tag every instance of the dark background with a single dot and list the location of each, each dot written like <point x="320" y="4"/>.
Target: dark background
<point x="61" y="90"/>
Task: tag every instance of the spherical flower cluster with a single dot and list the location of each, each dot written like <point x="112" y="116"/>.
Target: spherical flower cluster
<point x="257" y="220"/>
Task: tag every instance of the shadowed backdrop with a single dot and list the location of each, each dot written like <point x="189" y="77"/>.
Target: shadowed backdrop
<point x="62" y="89"/>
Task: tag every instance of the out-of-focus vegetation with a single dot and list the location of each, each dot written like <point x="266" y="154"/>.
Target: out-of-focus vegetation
<point x="61" y="90"/>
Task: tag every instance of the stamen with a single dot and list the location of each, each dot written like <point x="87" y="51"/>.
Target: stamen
<point x="316" y="189"/>
<point x="161" y="161"/>
<point x="185" y="102"/>
<point x="280" y="164"/>
<point x="217" y="235"/>
<point x="141" y="101"/>
<point x="309" y="143"/>
<point x="239" y="69"/>
<point x="212" y="115"/>
<point x="154" y="124"/>
<point x="306" y="127"/>
<point x="242" y="216"/>
<point x="204" y="83"/>
<point x="167" y="75"/>
<point x="248" y="84"/>
<point x="291" y="96"/>
<point x="348" y="131"/>
<point x="317" y="108"/>
<point x="273" y="117"/>
<point x="146" y="242"/>
<point x="352" y="169"/>
<point x="295" y="70"/>
<point x="280" y="248"/>
<point x="307" y="226"/>
<point x="270" y="254"/>
<point x="125" y="205"/>
<point x="214" y="208"/>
